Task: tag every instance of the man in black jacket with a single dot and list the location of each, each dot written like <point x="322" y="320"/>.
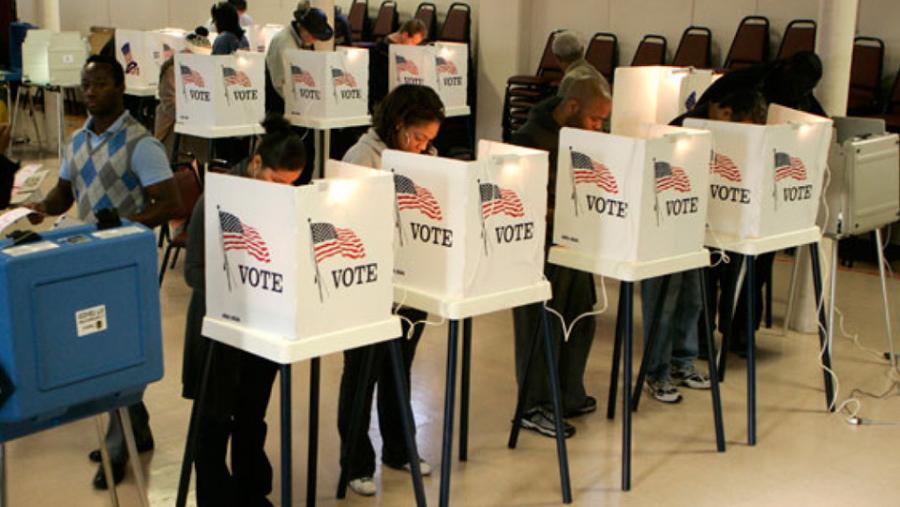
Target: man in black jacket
<point x="8" y="168"/>
<point x="586" y="104"/>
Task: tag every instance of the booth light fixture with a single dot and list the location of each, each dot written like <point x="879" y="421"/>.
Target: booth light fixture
<point x="445" y="52"/>
<point x="509" y="162"/>
<point x="340" y="191"/>
<point x="354" y="54"/>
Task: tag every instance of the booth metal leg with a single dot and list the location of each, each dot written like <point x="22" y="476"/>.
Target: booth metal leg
<point x="751" y="350"/>
<point x="176" y="146"/>
<point x="320" y="156"/>
<point x="286" y="454"/>
<point x="449" y="404"/>
<point x="553" y="378"/>
<point x="313" y="456"/>
<point x="627" y="329"/>
<point x="879" y="243"/>
<point x="133" y="457"/>
<point x="406" y="419"/>
<point x="464" y="390"/>
<point x="652" y="342"/>
<point x="359" y="400"/>
<point x="105" y="463"/>
<point x="37" y="132"/>
<point x="61" y="128"/>
<point x="824" y="342"/>
<point x="727" y="335"/>
<point x="768" y="301"/>
<point x="190" y="446"/>
<point x="15" y="112"/>
<point x="617" y="358"/>
<point x="710" y="357"/>
<point x="792" y="290"/>
<point x="520" y="403"/>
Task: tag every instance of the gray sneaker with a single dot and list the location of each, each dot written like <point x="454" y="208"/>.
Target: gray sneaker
<point x="542" y="421"/>
<point x="690" y="378"/>
<point x="663" y="391"/>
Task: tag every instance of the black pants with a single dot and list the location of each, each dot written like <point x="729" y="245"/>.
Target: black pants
<point x="724" y="277"/>
<point x="250" y="478"/>
<point x="361" y="463"/>
<point x="115" y="437"/>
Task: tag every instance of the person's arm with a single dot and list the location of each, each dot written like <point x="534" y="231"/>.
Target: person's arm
<point x="195" y="256"/>
<point x="58" y="201"/>
<point x="150" y="163"/>
<point x="164" y="203"/>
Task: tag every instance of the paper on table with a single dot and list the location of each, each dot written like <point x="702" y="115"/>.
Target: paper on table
<point x="27" y="178"/>
<point x="12" y="216"/>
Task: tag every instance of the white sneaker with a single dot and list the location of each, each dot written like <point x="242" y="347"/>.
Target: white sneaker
<point x="364" y="486"/>
<point x="424" y="467"/>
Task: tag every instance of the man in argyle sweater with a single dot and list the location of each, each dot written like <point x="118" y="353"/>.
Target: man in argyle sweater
<point x="113" y="162"/>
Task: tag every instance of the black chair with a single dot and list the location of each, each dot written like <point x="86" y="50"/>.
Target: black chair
<point x="457" y="25"/>
<point x="359" y="20"/>
<point x="865" y="76"/>
<point x="174" y="234"/>
<point x="694" y="49"/>
<point x="651" y="51"/>
<point x="603" y="53"/>
<point x="799" y="35"/>
<point x="427" y="14"/>
<point x="750" y="45"/>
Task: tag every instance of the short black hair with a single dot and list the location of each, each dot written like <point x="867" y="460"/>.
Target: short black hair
<point x="407" y="104"/>
<point x="280" y="147"/>
<point x="115" y="68"/>
<point x="225" y="19"/>
<point x="745" y="103"/>
<point x="240" y="5"/>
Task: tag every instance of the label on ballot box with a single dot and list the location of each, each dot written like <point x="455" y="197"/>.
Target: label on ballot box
<point x="326" y="84"/>
<point x="299" y="262"/>
<point x="216" y="93"/>
<point x="655" y="95"/>
<point x="632" y="198"/>
<point x="464" y="229"/>
<point x="766" y="179"/>
<point x="443" y="66"/>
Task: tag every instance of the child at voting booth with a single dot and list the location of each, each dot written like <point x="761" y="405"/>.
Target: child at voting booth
<point x="408" y="120"/>
<point x="240" y="383"/>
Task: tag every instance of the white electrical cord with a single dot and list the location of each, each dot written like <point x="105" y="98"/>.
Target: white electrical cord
<point x="567" y="330"/>
<point x="412" y="324"/>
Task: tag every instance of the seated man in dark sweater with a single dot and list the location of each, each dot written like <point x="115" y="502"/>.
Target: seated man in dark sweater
<point x="586" y="105"/>
<point x="411" y="33"/>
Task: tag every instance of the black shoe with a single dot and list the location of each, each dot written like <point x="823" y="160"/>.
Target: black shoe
<point x="142" y="447"/>
<point x="118" y="473"/>
<point x="589" y="405"/>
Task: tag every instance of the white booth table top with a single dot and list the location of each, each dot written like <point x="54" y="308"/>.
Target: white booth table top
<point x="458" y="309"/>
<point x="142" y="91"/>
<point x="759" y="246"/>
<point x="627" y="271"/>
<point x="213" y="132"/>
<point x="282" y="350"/>
<point x="450" y="112"/>
<point x="330" y="123"/>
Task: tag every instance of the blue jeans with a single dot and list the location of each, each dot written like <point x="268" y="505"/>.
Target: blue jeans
<point x="676" y="339"/>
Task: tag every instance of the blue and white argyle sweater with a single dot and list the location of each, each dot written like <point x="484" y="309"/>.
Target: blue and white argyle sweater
<point x="102" y="176"/>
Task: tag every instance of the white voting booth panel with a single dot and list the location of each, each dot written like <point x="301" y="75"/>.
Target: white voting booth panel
<point x="632" y="199"/>
<point x="466" y="229"/>
<point x="260" y="36"/>
<point x="142" y="53"/>
<point x="443" y="67"/>
<point x="655" y="95"/>
<point x="326" y="84"/>
<point x="53" y="58"/>
<point x="766" y="180"/>
<point x="311" y="265"/>
<point x="218" y="96"/>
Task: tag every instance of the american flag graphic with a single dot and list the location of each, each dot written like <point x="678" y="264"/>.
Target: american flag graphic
<point x="168" y="52"/>
<point x="131" y="66"/>
<point x="787" y="166"/>
<point x="235" y="77"/>
<point x="191" y="76"/>
<point x="412" y="196"/>
<point x="669" y="177"/>
<point x="404" y="65"/>
<point x="329" y="241"/>
<point x="445" y="66"/>
<point x="301" y="76"/>
<point x="587" y="170"/>
<point x="496" y="201"/>
<point x="725" y="167"/>
<point x="339" y="77"/>
<point x="237" y="235"/>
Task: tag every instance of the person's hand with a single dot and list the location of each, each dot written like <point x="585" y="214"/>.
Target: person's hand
<point x="5" y="136"/>
<point x="39" y="212"/>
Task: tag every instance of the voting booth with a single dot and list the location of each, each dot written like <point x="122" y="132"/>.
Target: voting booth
<point x="655" y="95"/>
<point x="142" y="53"/>
<point x="79" y="322"/>
<point x="219" y="96"/>
<point x="326" y="84"/>
<point x="260" y="36"/>
<point x="864" y="189"/>
<point x="632" y="198"/>
<point x="309" y="266"/>
<point x="766" y="180"/>
<point x="443" y="66"/>
<point x="53" y="58"/>
<point x="465" y="229"/>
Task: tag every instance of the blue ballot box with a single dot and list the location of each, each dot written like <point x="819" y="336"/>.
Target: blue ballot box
<point x="80" y="328"/>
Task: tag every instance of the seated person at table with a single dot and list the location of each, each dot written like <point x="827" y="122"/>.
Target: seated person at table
<point x="676" y="342"/>
<point x="310" y="25"/>
<point x="407" y="120"/>
<point x="164" y="123"/>
<point x="585" y="105"/>
<point x="239" y="383"/>
<point x="231" y="36"/>
<point x="113" y="162"/>
<point x="411" y="33"/>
